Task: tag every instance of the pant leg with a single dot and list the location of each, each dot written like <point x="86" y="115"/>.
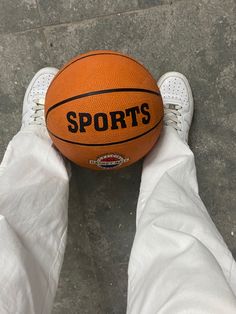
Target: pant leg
<point x="179" y="262"/>
<point x="33" y="223"/>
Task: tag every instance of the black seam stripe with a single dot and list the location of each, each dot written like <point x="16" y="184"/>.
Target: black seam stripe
<point x="104" y="53"/>
<point x="99" y="92"/>
<point x="107" y="144"/>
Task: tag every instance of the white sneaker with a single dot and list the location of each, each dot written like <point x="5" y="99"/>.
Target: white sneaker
<point x="178" y="102"/>
<point x="33" y="105"/>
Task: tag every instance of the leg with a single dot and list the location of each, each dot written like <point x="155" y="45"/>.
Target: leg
<point x="33" y="222"/>
<point x="179" y="262"/>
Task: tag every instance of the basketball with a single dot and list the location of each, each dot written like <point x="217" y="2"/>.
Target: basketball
<point x="103" y="110"/>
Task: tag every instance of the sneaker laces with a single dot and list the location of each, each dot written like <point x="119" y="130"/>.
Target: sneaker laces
<point x="37" y="117"/>
<point x="171" y="116"/>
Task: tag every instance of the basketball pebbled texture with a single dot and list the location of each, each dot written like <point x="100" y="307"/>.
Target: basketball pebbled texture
<point x="103" y="110"/>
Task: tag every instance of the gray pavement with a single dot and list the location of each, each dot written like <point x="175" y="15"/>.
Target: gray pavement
<point x="196" y="38"/>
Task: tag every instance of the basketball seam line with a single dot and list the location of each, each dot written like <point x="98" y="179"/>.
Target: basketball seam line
<point x="99" y="92"/>
<point x="103" y="53"/>
<point x="108" y="144"/>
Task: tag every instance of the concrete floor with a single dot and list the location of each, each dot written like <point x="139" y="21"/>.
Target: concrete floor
<point x="196" y="38"/>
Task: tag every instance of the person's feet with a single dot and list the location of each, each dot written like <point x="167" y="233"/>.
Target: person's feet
<point x="178" y="102"/>
<point x="33" y="105"/>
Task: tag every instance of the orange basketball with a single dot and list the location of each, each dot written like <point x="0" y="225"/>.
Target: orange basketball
<point x="104" y="110"/>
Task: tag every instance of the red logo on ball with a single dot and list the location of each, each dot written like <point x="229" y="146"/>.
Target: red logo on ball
<point x="109" y="161"/>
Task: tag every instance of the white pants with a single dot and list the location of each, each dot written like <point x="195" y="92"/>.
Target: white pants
<point x="179" y="262"/>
